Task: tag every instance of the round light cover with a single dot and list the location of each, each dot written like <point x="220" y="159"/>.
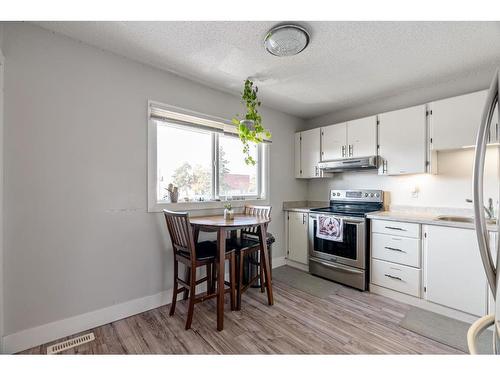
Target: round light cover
<point x="286" y="40"/>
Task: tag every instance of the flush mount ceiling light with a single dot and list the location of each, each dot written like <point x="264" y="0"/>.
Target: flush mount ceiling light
<point x="286" y="40"/>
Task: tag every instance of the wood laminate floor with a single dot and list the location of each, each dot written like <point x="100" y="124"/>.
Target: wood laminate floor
<point x="347" y="322"/>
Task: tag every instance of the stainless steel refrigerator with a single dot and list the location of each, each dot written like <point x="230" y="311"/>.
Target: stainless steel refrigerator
<point x="489" y="256"/>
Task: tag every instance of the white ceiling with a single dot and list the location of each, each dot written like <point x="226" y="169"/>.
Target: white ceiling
<point x="345" y="65"/>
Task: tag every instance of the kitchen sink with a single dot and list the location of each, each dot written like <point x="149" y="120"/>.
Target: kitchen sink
<point x="463" y="219"/>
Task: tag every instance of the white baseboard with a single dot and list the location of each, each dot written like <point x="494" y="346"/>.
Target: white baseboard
<point x="32" y="337"/>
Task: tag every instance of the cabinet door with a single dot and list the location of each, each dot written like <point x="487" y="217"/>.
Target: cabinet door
<point x="362" y="137"/>
<point x="310" y="151"/>
<point x="333" y="141"/>
<point x="402" y="140"/>
<point x="298" y="168"/>
<point x="297" y="237"/>
<point x="454" y="121"/>
<point x="453" y="269"/>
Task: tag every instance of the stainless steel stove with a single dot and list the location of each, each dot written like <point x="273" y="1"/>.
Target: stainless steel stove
<point x="344" y="261"/>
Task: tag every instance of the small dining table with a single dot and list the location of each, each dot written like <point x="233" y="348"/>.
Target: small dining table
<point x="222" y="226"/>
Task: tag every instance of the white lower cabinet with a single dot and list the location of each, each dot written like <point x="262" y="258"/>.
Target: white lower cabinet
<point x="454" y="275"/>
<point x="397" y="277"/>
<point x="439" y="265"/>
<point x="396" y="256"/>
<point x="401" y="250"/>
<point x="297" y="237"/>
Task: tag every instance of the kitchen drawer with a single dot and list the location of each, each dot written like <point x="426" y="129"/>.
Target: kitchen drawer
<point x="397" y="249"/>
<point x="400" y="278"/>
<point x="396" y="228"/>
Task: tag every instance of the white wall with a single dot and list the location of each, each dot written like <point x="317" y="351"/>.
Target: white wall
<point x="77" y="233"/>
<point x="448" y="189"/>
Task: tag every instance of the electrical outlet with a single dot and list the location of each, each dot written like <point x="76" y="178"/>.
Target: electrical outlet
<point x="414" y="193"/>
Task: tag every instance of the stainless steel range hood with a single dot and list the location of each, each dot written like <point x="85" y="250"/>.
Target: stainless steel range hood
<point x="370" y="162"/>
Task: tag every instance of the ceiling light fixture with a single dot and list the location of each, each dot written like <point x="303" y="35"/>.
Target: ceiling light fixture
<point x="286" y="40"/>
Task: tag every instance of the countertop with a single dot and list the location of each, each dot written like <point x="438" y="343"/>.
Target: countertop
<point x="303" y="206"/>
<point x="422" y="218"/>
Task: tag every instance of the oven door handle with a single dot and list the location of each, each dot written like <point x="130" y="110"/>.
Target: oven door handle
<point x="337" y="266"/>
<point x="347" y="219"/>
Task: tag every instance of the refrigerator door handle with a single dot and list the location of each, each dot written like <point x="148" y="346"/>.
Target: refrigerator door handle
<point x="477" y="183"/>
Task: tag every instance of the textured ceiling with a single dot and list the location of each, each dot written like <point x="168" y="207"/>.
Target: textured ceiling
<point x="345" y="65"/>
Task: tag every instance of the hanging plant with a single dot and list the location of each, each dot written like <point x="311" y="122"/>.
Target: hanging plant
<point x="250" y="129"/>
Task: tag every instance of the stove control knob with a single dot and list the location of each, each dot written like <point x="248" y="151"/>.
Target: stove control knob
<point x="377" y="195"/>
<point x="371" y="195"/>
<point x="338" y="194"/>
<point x="366" y="194"/>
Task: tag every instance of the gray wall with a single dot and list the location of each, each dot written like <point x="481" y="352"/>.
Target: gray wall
<point x="77" y="233"/>
<point x="1" y="195"/>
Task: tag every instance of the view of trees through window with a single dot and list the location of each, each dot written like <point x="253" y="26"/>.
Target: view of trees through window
<point x="184" y="159"/>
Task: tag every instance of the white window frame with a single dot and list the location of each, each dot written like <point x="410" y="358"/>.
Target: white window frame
<point x="154" y="205"/>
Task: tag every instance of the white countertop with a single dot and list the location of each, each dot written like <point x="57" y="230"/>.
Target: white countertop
<point x="422" y="218"/>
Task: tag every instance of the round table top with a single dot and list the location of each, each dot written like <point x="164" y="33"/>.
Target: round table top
<point x="240" y="220"/>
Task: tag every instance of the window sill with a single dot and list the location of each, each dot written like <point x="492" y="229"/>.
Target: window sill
<point x="198" y="206"/>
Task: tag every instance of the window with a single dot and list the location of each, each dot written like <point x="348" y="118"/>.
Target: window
<point x="202" y="157"/>
<point x="184" y="159"/>
<point x="236" y="178"/>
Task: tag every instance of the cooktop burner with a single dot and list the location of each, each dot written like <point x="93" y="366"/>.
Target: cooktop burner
<point x="353" y="202"/>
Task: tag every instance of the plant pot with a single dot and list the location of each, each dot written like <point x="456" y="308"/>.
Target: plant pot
<point x="228" y="214"/>
<point x="174" y="196"/>
<point x="248" y="123"/>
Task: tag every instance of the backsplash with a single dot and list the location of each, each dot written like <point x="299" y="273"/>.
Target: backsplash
<point x="446" y="190"/>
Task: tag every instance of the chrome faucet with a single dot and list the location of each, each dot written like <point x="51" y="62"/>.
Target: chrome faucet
<point x="490" y="211"/>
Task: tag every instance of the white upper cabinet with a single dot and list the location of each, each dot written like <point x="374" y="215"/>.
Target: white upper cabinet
<point x="333" y="141"/>
<point x="362" y="137"/>
<point x="307" y="154"/>
<point x="402" y="141"/>
<point x="352" y="139"/>
<point x="454" y="121"/>
<point x="297" y="169"/>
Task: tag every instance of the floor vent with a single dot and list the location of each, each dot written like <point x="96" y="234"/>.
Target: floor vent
<point x="65" y="345"/>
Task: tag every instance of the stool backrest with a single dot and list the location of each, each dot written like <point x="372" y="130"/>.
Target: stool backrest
<point x="260" y="211"/>
<point x="180" y="232"/>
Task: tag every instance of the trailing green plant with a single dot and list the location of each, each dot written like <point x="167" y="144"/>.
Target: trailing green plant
<point x="255" y="132"/>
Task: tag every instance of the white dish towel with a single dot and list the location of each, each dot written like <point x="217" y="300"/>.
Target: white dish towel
<point x="330" y="228"/>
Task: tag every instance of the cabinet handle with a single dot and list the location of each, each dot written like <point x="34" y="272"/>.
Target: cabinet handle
<point x="350" y="150"/>
<point x="394" y="249"/>
<point x="384" y="167"/>
<point x="343" y="151"/>
<point x="303" y="218"/>
<point x="393" y="277"/>
<point x="396" y="228"/>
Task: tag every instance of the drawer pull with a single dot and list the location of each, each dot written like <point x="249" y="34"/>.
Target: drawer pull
<point x="394" y="249"/>
<point x="396" y="228"/>
<point x="393" y="277"/>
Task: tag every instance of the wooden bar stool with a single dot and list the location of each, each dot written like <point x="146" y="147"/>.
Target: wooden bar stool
<point x="194" y="255"/>
<point x="245" y="245"/>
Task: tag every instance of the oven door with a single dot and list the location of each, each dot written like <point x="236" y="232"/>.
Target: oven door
<point x="351" y="251"/>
